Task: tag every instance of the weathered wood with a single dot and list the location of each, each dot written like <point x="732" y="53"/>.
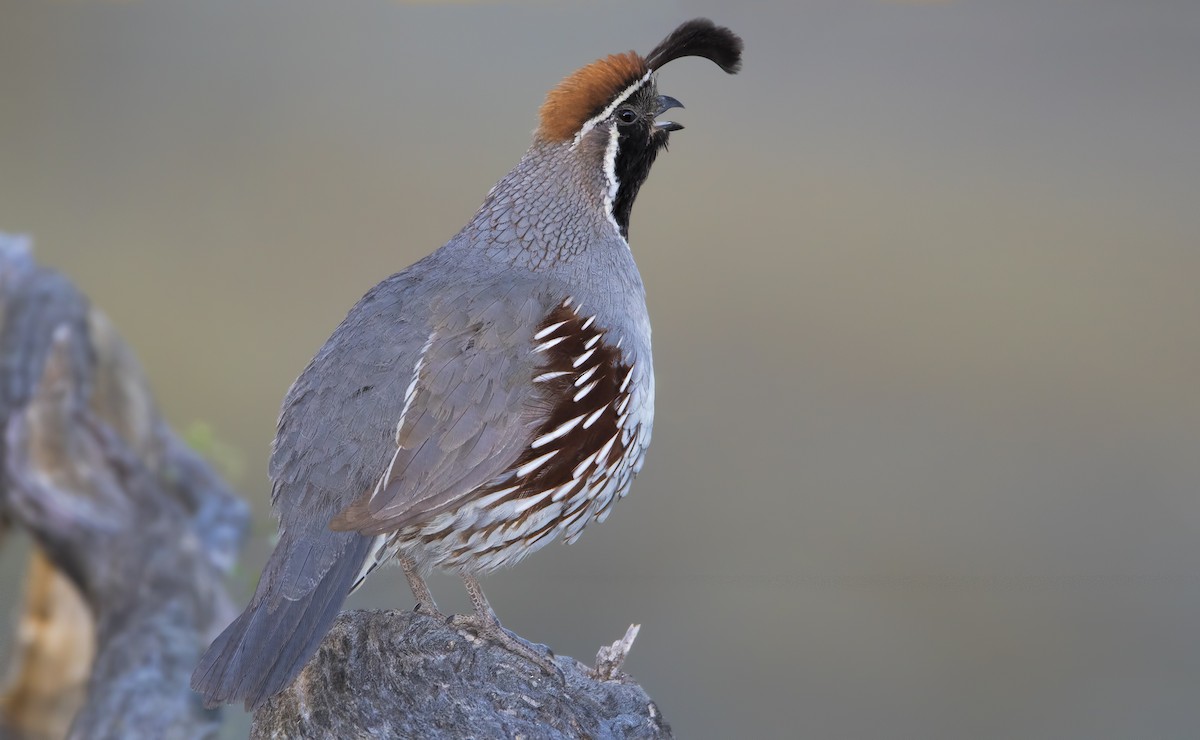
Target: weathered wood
<point x="408" y="675"/>
<point x="138" y="522"/>
<point x="52" y="655"/>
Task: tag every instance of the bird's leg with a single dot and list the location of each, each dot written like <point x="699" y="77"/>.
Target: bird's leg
<point x="488" y="624"/>
<point x="425" y="602"/>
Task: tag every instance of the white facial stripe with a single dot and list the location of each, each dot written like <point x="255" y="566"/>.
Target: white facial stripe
<point x="591" y="123"/>
<point x="610" y="172"/>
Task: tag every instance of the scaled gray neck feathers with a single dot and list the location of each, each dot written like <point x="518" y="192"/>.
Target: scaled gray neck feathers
<point x="548" y="209"/>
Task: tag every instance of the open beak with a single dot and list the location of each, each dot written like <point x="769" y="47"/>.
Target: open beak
<point x="666" y="103"/>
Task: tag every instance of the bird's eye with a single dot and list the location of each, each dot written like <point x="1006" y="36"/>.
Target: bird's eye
<point x="627" y="115"/>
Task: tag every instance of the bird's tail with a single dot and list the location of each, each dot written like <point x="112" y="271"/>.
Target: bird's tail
<point x="295" y="604"/>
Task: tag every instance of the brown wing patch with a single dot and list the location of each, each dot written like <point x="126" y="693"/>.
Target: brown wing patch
<point x="586" y="93"/>
<point x="578" y="448"/>
<point x="584" y="378"/>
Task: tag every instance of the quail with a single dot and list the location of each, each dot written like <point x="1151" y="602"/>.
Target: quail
<point x="492" y="397"/>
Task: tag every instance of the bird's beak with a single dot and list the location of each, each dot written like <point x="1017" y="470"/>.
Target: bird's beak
<point x="666" y="103"/>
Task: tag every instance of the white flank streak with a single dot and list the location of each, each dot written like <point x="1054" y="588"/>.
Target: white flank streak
<point x="583" y="358"/>
<point x="623" y="404"/>
<point x="607" y="446"/>
<point x="523" y="505"/>
<point x="439" y="524"/>
<point x="595" y="415"/>
<point x="579" y="509"/>
<point x="492" y="498"/>
<point x="625" y="382"/>
<point x="379" y="483"/>
<point x="591" y="123"/>
<point x="588" y="323"/>
<point x="372" y="560"/>
<point x="548" y="330"/>
<point x="484" y="541"/>
<point x="585" y="390"/>
<point x="550" y="376"/>
<point x="559" y="431"/>
<point x="411" y="391"/>
<point x="583" y="378"/>
<point x="387" y="474"/>
<point x="561" y="492"/>
<point x="592" y="342"/>
<point x="548" y="344"/>
<point x="534" y="464"/>
<point x="582" y="467"/>
<point x="567" y="302"/>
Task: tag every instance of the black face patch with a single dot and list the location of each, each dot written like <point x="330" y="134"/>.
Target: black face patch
<point x="638" y="143"/>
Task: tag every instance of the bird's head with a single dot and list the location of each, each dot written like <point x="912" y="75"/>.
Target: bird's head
<point x="608" y="111"/>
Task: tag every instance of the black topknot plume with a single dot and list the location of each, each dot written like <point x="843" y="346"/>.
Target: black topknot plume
<point x="699" y="37"/>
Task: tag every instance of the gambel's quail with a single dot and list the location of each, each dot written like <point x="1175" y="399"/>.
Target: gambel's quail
<point x="493" y="396"/>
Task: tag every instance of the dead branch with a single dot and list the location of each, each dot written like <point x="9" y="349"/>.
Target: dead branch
<point x="140" y="524"/>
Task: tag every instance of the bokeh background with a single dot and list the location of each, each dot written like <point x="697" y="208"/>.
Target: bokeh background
<point x="924" y="286"/>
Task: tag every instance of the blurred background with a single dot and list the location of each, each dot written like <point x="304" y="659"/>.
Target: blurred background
<point x="924" y="286"/>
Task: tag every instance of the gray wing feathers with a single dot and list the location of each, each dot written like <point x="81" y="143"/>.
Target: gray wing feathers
<point x="341" y="450"/>
<point x="335" y="436"/>
<point x="468" y="417"/>
<point x="264" y="648"/>
<point x="339" y="440"/>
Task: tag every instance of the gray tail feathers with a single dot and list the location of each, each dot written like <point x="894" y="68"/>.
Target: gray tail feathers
<point x="260" y="653"/>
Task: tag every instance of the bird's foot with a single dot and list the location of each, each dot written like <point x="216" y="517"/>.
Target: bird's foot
<point x="487" y="624"/>
<point x="488" y="627"/>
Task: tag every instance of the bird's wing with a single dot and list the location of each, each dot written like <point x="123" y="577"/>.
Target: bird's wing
<point x="524" y="408"/>
<point x="468" y="348"/>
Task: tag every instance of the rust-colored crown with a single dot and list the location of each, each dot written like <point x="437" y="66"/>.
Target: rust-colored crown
<point x="590" y="90"/>
<point x="587" y="92"/>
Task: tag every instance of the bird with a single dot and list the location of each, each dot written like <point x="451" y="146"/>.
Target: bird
<point x="490" y="398"/>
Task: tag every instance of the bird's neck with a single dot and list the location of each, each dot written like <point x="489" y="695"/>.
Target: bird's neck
<point x="549" y="208"/>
